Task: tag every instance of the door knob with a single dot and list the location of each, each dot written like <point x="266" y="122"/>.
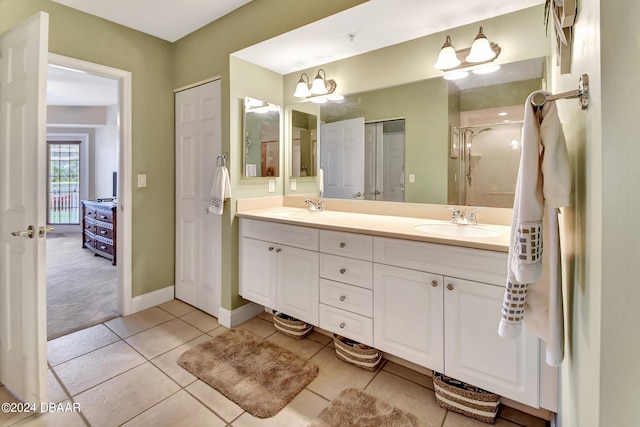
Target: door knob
<point x="42" y="231"/>
<point x="30" y="232"/>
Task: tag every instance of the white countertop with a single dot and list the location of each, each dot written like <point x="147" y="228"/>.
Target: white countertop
<point x="382" y="225"/>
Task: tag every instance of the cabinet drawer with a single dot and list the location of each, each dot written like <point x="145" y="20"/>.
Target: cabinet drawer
<point x="290" y="235"/>
<point x="347" y="324"/>
<point x="347" y="270"/>
<point x="346" y="297"/>
<point x="104" y="247"/>
<point x="350" y="245"/>
<point x="104" y="232"/>
<point x="106" y="216"/>
<point x="88" y="240"/>
<point x="90" y="212"/>
<point x="89" y="225"/>
<point x="473" y="264"/>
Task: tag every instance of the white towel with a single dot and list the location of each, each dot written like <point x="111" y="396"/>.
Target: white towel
<point x="321" y="181"/>
<point x="220" y="190"/>
<point x="534" y="279"/>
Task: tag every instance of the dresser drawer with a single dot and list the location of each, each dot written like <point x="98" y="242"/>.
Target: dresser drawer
<point x="347" y="270"/>
<point x="104" y="232"/>
<point x="346" y="297"/>
<point x="106" y="216"/>
<point x="351" y="245"/>
<point x="285" y="234"/>
<point x="89" y="225"/>
<point x="104" y="247"/>
<point x="89" y="212"/>
<point x="350" y="325"/>
<point x="88" y="240"/>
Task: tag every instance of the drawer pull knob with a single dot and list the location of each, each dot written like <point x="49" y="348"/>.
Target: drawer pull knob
<point x="342" y="325"/>
<point x="343" y="270"/>
<point x="450" y="286"/>
<point x="103" y="247"/>
<point x="271" y="248"/>
<point x="343" y="244"/>
<point x="278" y="250"/>
<point x="103" y="217"/>
<point x="434" y="283"/>
<point x="103" y="231"/>
<point x="343" y="297"/>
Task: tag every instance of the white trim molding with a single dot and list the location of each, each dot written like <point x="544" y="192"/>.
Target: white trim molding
<point x="151" y="299"/>
<point x="232" y="318"/>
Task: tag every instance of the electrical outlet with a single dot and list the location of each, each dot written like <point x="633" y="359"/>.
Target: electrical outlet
<point x="272" y="185"/>
<point x="142" y="180"/>
<point x="294" y="185"/>
<point x="412" y="177"/>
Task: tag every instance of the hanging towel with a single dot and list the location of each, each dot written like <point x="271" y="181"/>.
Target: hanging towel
<point x="321" y="181"/>
<point x="220" y="190"/>
<point x="534" y="281"/>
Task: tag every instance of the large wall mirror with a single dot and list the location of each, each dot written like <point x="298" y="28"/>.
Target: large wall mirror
<point x="261" y="138"/>
<point x="477" y="120"/>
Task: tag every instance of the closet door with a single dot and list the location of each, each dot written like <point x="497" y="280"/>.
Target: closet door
<point x="198" y="232"/>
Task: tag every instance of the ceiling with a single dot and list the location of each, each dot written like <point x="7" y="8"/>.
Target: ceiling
<point x="320" y="42"/>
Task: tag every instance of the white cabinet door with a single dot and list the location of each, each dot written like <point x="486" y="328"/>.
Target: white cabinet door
<point x="407" y="308"/>
<point x="298" y="293"/>
<point x="475" y="353"/>
<point x="258" y="271"/>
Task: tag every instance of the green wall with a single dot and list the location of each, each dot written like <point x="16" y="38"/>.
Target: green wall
<point x="150" y="60"/>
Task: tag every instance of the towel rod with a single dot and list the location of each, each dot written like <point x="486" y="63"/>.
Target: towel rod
<point x="222" y="159"/>
<point x="582" y="93"/>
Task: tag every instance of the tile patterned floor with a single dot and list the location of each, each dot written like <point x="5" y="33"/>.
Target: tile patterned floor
<point x="124" y="372"/>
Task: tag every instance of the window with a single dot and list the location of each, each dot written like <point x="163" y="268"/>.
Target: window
<point x="63" y="186"/>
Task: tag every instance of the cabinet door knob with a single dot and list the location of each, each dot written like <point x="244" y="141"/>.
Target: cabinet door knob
<point x="343" y="297"/>
<point x="271" y="248"/>
<point x="450" y="286"/>
<point x="278" y="250"/>
<point x="434" y="283"/>
<point x="103" y="232"/>
<point x="103" y="247"/>
<point x="343" y="244"/>
<point x="342" y="325"/>
<point x="343" y="270"/>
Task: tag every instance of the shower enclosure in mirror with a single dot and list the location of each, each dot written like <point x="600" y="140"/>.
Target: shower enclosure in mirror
<point x="261" y="138"/>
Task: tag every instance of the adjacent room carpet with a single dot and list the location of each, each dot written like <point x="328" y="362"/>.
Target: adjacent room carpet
<point x="353" y="407"/>
<point x="257" y="375"/>
<point x="81" y="287"/>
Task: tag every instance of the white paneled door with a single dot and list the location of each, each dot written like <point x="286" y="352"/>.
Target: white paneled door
<point x="342" y="158"/>
<point x="23" y="323"/>
<point x="198" y="232"/>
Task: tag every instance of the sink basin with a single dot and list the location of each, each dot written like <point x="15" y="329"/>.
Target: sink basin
<point x="296" y="213"/>
<point x="457" y="230"/>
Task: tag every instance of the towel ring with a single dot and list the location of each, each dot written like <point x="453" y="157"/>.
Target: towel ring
<point x="582" y="93"/>
<point x="222" y="159"/>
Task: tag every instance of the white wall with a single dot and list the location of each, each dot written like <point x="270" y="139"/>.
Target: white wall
<point x="105" y="154"/>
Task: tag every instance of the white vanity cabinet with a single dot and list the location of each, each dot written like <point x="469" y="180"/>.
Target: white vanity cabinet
<point x="280" y="267"/>
<point x="346" y="285"/>
<point x="451" y="297"/>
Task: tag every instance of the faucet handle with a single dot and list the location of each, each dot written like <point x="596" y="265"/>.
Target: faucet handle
<point x="472" y="215"/>
<point x="455" y="214"/>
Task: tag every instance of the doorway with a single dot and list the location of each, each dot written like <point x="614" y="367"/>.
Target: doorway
<point x="384" y="147"/>
<point x="89" y="137"/>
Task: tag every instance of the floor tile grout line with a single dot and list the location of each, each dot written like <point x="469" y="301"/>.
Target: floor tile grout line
<point x="207" y="406"/>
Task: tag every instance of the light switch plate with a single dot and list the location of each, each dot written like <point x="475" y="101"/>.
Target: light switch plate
<point x="272" y="185"/>
<point x="294" y="185"/>
<point x="412" y="177"/>
<point x="142" y="180"/>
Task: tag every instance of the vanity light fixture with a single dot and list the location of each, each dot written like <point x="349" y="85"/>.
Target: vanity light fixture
<point x="480" y="52"/>
<point x="319" y="87"/>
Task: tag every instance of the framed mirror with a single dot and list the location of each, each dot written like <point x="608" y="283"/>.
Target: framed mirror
<point x="304" y="144"/>
<point x="261" y="139"/>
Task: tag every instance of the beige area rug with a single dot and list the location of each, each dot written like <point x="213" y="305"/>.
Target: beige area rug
<point x="257" y="375"/>
<point x="353" y="407"/>
<point x="81" y="287"/>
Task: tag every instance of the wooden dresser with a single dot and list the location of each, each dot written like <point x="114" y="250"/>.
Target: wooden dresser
<point x="99" y="228"/>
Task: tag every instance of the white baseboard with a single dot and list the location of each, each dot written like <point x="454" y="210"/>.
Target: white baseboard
<point x="151" y="299"/>
<point x="232" y="318"/>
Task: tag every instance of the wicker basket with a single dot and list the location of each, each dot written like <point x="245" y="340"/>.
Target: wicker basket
<point x="465" y="398"/>
<point x="357" y="354"/>
<point x="291" y="326"/>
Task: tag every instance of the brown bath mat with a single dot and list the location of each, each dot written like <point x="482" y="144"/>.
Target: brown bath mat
<point x="353" y="407"/>
<point x="257" y="375"/>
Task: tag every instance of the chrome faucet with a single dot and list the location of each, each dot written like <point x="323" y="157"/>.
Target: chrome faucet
<point x="315" y="206"/>
<point x="459" y="216"/>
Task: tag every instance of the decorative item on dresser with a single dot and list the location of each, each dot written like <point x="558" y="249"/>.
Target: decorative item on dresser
<point x="99" y="227"/>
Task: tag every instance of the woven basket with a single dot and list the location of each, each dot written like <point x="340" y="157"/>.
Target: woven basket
<point x="357" y="354"/>
<point x="291" y="326"/>
<point x="465" y="398"/>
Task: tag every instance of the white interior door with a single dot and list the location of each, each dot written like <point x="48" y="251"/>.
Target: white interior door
<point x="23" y="327"/>
<point x="393" y="166"/>
<point x="342" y="157"/>
<point x="198" y="232"/>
